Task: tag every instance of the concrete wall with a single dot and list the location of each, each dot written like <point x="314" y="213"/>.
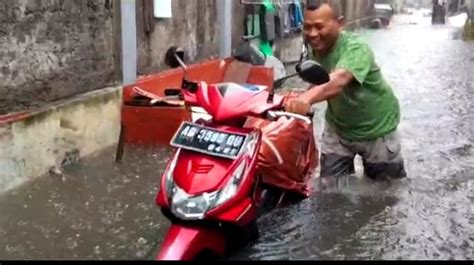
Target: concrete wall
<point x="53" y="49"/>
<point x="59" y="134"/>
<point x="455" y="6"/>
<point x="357" y="12"/>
<point x="194" y="27"/>
<point x="398" y="5"/>
<point x="470" y="7"/>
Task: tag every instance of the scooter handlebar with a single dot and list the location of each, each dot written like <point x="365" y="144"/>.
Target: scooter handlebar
<point x="277" y="114"/>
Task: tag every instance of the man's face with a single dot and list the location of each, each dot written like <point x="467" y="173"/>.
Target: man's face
<point x="321" y="29"/>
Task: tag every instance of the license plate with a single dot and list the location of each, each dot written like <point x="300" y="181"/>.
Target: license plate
<point x="198" y="138"/>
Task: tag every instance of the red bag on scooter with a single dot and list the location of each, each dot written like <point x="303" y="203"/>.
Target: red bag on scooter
<point x="288" y="157"/>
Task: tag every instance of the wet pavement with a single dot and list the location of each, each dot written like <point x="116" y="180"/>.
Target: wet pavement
<point x="101" y="210"/>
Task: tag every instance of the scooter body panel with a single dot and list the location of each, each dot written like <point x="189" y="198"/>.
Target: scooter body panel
<point x="187" y="242"/>
<point x="197" y="173"/>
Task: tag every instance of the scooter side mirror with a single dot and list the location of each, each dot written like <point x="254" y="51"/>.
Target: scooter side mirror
<point x="248" y="53"/>
<point x="174" y="57"/>
<point x="312" y="72"/>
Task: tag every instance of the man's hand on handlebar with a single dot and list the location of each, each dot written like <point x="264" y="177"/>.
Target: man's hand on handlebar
<point x="297" y="106"/>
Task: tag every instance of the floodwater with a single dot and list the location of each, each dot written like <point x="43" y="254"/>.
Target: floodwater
<point x="96" y="210"/>
<point x="430" y="214"/>
<point x="100" y="210"/>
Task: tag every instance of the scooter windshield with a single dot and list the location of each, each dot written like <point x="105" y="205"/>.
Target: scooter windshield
<point x="231" y="100"/>
<point x="231" y="88"/>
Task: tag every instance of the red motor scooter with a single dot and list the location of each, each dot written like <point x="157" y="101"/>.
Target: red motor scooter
<point x="212" y="189"/>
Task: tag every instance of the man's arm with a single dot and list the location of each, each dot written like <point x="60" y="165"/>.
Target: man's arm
<point x="354" y="65"/>
<point x="339" y="79"/>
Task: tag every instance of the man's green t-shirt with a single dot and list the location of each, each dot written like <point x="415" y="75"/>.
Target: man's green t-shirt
<point x="367" y="109"/>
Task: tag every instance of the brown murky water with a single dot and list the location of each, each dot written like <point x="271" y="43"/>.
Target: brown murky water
<point x="106" y="211"/>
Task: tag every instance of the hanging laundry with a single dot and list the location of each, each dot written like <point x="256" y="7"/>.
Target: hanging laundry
<point x="286" y="20"/>
<point x="267" y="21"/>
<point x="279" y="26"/>
<point x="267" y="27"/>
<point x="296" y="16"/>
<point x="252" y="21"/>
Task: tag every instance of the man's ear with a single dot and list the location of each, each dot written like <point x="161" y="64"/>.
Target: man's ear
<point x="341" y="21"/>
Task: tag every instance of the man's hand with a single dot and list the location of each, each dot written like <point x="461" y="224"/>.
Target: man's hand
<point x="297" y="106"/>
<point x="340" y="78"/>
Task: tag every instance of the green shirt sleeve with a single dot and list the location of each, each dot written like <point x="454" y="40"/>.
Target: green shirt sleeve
<point x="356" y="58"/>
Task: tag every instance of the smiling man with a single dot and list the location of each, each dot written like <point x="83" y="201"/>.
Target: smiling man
<point x="363" y="113"/>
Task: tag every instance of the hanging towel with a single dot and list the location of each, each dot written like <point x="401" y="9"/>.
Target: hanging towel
<point x="267" y="21"/>
<point x="279" y="26"/>
<point x="267" y="27"/>
<point x="252" y="21"/>
<point x="286" y="20"/>
<point x="298" y="15"/>
<point x="291" y="15"/>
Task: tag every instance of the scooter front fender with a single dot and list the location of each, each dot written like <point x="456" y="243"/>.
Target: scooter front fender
<point x="186" y="243"/>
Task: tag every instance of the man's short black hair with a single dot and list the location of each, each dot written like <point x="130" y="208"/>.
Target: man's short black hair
<point x="334" y="4"/>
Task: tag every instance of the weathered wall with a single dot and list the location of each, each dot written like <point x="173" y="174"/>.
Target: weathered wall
<point x="470" y="8"/>
<point x="468" y="33"/>
<point x="398" y="4"/>
<point x="52" y="49"/>
<point x="469" y="27"/>
<point x="357" y="12"/>
<point x="194" y="27"/>
<point x="62" y="133"/>
<point x="238" y="29"/>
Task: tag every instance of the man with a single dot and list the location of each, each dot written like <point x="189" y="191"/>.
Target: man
<point x="363" y="113"/>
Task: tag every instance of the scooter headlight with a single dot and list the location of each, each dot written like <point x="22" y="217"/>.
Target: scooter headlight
<point x="191" y="208"/>
<point x="195" y="208"/>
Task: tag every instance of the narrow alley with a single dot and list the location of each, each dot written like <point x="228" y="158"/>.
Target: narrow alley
<point x="102" y="210"/>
